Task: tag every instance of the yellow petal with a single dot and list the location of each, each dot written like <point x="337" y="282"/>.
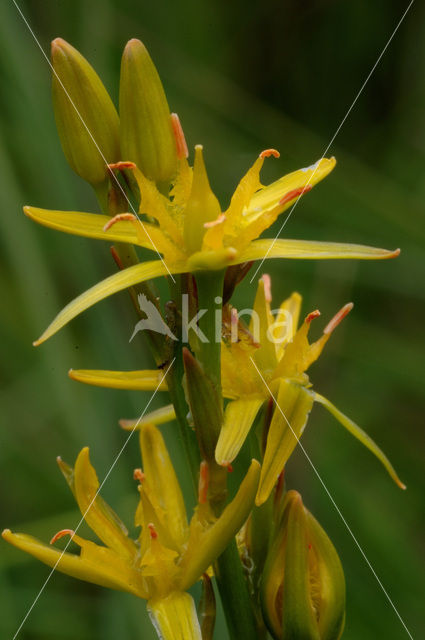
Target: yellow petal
<point x="113" y="284"/>
<point x="294" y="404"/>
<point x="286" y="323"/>
<point x="361" y="435"/>
<point x="241" y="198"/>
<point x="96" y="512"/>
<point x="174" y="617"/>
<point x="238" y="419"/>
<point x="163" y="481"/>
<point x="91" y="225"/>
<point x="147" y="380"/>
<point x="196" y="561"/>
<point x="310" y="249"/>
<point x="96" y="564"/>
<point x="261" y="320"/>
<point x="159" y="416"/>
<point x="270" y="197"/>
<point x="154" y="204"/>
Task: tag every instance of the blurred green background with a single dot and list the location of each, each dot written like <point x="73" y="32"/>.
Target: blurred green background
<point x="243" y="76"/>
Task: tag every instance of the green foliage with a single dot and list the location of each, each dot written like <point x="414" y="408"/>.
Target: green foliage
<point x="243" y="77"/>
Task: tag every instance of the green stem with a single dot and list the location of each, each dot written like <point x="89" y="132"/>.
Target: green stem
<point x="235" y="596"/>
<point x="231" y="582"/>
<point x="210" y="297"/>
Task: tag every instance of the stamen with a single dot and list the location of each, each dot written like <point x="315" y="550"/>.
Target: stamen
<point x="213" y="223"/>
<point x="295" y="193"/>
<point x="116" y="258"/>
<point x="120" y="166"/>
<point x="118" y="218"/>
<point x="139" y="475"/>
<point x="61" y="534"/>
<point x="338" y="317"/>
<point x="204" y="477"/>
<point x="229" y="468"/>
<point x="312" y="315"/>
<point x="267" y="287"/>
<point x="152" y="531"/>
<point x="181" y="146"/>
<point x="269" y="152"/>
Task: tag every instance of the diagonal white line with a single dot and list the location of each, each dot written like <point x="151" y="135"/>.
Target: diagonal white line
<point x="92" y="138"/>
<point x="333" y="501"/>
<point x="91" y="503"/>
<point x="337" y="131"/>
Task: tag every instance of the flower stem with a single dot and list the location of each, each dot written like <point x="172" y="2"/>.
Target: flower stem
<point x="232" y="586"/>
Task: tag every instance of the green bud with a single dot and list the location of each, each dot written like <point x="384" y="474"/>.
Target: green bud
<point x="146" y="131"/>
<point x="86" y="119"/>
<point x="205" y="405"/>
<point x="303" y="586"/>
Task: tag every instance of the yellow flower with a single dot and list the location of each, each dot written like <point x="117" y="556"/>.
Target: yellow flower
<point x="273" y="364"/>
<point x="188" y="228"/>
<point x="170" y="553"/>
<point x="268" y="361"/>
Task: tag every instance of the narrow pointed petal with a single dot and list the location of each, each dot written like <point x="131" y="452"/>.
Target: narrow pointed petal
<point x="261" y="320"/>
<point x="239" y="417"/>
<point x="92" y="225"/>
<point x="117" y="282"/>
<point x="286" y="323"/>
<point x="310" y="249"/>
<point x="163" y="481"/>
<point x="149" y="380"/>
<point x="290" y="416"/>
<point x="96" y="564"/>
<point x="245" y="191"/>
<point x="159" y="416"/>
<point x="174" y="617"/>
<point x="361" y="435"/>
<point x="196" y="561"/>
<point x="96" y="512"/>
<point x="278" y="194"/>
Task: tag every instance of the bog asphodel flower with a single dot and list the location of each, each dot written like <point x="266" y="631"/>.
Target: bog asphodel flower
<point x="179" y="217"/>
<point x="268" y="361"/>
<point x="170" y="554"/>
<point x="271" y="361"/>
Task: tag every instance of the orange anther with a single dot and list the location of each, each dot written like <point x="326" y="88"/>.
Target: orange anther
<point x="229" y="467"/>
<point x="181" y="146"/>
<point x="267" y="287"/>
<point x="118" y="218"/>
<point x="221" y="218"/>
<point x="152" y="531"/>
<point x="291" y="195"/>
<point x="269" y="152"/>
<point x="312" y="315"/>
<point x="120" y="166"/>
<point x="139" y="475"/>
<point x="204" y="477"/>
<point x="61" y="534"/>
<point x="338" y="317"/>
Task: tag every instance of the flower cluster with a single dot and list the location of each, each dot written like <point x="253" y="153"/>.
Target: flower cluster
<point x="248" y="383"/>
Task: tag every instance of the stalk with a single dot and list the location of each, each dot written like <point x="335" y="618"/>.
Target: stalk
<point x="232" y="586"/>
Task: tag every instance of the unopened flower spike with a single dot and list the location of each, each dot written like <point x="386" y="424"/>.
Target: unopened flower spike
<point x="303" y="585"/>
<point x="190" y="229"/>
<point x="171" y="553"/>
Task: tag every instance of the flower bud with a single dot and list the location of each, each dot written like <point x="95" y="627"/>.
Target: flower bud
<point x="146" y="129"/>
<point x="86" y="119"/>
<point x="303" y="586"/>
